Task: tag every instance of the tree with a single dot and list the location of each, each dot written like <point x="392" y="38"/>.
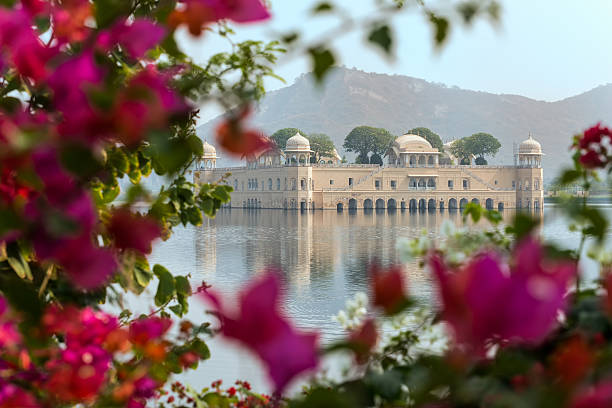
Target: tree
<point x="281" y="136"/>
<point x="481" y="161"/>
<point x="321" y="145"/>
<point x="362" y="159"/>
<point x="365" y="140"/>
<point x="376" y="159"/>
<point x="430" y="136"/>
<point x="460" y="151"/>
<point x="482" y="144"/>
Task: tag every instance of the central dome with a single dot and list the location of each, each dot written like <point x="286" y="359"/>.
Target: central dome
<point x="209" y="151"/>
<point x="409" y="142"/>
<point x="530" y="146"/>
<point x="298" y="142"/>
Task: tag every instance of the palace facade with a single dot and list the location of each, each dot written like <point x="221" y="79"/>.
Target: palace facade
<point x="413" y="178"/>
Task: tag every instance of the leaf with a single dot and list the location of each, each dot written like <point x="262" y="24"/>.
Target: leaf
<point x="522" y="226"/>
<point x="200" y="348"/>
<point x="387" y="384"/>
<point x="323" y="7"/>
<point x="183" y="287"/>
<point x="474" y="210"/>
<point x="196" y="145"/>
<point x="21" y="268"/>
<point x="165" y="289"/>
<point x="382" y="37"/>
<point x="569" y="176"/>
<point x="108" y="11"/>
<point x="441" y="27"/>
<point x="322" y="61"/>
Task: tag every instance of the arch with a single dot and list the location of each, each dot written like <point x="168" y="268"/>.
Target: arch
<point x="489" y="204"/>
<point x="270" y="184"/>
<point x="431" y="204"/>
<point x="339" y="207"/>
<point x="367" y="204"/>
<point x="463" y="203"/>
<point x="403" y="205"/>
<point x="380" y="204"/>
<point x="391" y="204"/>
<point x="413" y="161"/>
<point x="352" y="204"/>
<point x="441" y="205"/>
<point x="430" y="161"/>
<point x="302" y="159"/>
<point x="278" y="184"/>
<point x="500" y="206"/>
<point x="536" y="205"/>
<point x="422" y="183"/>
<point x="421" y="160"/>
<point x="412" y="205"/>
<point x="422" y="204"/>
<point x="452" y="204"/>
<point x="412" y="182"/>
<point x="431" y="183"/>
<point x="475" y="201"/>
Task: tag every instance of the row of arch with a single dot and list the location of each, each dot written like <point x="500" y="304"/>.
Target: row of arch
<point x="421" y="204"/>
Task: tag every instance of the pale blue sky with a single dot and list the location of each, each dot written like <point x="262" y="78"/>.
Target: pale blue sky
<point x="543" y="49"/>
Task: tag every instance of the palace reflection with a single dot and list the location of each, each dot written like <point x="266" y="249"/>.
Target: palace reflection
<point x="312" y="248"/>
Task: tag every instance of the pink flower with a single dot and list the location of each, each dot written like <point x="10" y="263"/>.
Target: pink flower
<point x="133" y="231"/>
<point x="135" y="39"/>
<point x="80" y="328"/>
<point x="236" y="140"/>
<point x="486" y="300"/>
<point x="594" y="147"/>
<point x="147" y="103"/>
<point x="148" y="329"/>
<point x="599" y="396"/>
<point x="261" y="326"/>
<point x="78" y="374"/>
<point x="69" y="20"/>
<point x="198" y="13"/>
<point x="387" y="287"/>
<point x="12" y="396"/>
<point x="87" y="265"/>
<point x="363" y="340"/>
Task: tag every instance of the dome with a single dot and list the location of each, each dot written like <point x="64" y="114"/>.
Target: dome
<point x="209" y="151"/>
<point x="412" y="143"/>
<point x="530" y="146"/>
<point x="298" y="142"/>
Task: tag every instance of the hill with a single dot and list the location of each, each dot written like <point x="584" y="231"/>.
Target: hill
<point x="351" y="98"/>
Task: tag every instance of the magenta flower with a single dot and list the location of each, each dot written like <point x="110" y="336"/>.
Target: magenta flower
<point x="84" y="327"/>
<point x="148" y="329"/>
<point x="78" y="374"/>
<point x="133" y="231"/>
<point x="599" y="396"/>
<point x="12" y="396"/>
<point x="198" y="13"/>
<point x="135" y="39"/>
<point x="488" y="301"/>
<point x="594" y="147"/>
<point x="261" y="326"/>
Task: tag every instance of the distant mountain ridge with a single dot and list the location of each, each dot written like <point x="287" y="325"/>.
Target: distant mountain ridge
<point x="351" y="98"/>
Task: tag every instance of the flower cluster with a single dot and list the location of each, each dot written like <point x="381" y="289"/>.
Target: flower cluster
<point x="594" y="147"/>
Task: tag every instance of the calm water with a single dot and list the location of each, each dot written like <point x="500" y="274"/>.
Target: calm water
<point x="323" y="255"/>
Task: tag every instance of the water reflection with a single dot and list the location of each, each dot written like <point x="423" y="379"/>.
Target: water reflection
<point x="323" y="255"/>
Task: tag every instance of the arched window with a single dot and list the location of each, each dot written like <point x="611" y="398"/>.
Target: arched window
<point x="269" y="184"/>
<point x="278" y="184"/>
<point x="236" y="184"/>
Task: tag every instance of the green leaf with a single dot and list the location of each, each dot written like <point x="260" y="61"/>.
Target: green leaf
<point x="569" y="176"/>
<point x="474" y="210"/>
<point x="522" y="226"/>
<point x="165" y="289"/>
<point x="200" y="348"/>
<point x="118" y="160"/>
<point x="214" y="400"/>
<point x="387" y="384"/>
<point x="21" y="268"/>
<point x="108" y="11"/>
<point x="196" y="145"/>
<point x="183" y="287"/>
<point x="80" y="161"/>
<point x="323" y="7"/>
<point x="382" y="37"/>
<point x="322" y="61"/>
<point x="441" y="27"/>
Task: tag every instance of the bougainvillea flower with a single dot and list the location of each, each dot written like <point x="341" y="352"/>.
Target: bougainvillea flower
<point x="147" y="103"/>
<point x="69" y="20"/>
<point x="78" y="374"/>
<point x="12" y="396"/>
<point x="135" y="38"/>
<point x="148" y="329"/>
<point x="387" y="287"/>
<point x="595" y="147"/>
<point x="599" y="396"/>
<point x="486" y="300"/>
<point x="364" y="339"/>
<point x="12" y="189"/>
<point x="236" y="140"/>
<point x="260" y="326"/>
<point x="80" y="327"/>
<point x="198" y="13"/>
<point x="572" y="360"/>
<point x="133" y="231"/>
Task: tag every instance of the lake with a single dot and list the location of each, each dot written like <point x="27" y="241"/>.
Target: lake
<point x="324" y="256"/>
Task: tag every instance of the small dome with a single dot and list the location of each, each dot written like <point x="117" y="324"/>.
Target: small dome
<point x="297" y="142"/>
<point x="530" y="146"/>
<point x="412" y="143"/>
<point x="209" y="151"/>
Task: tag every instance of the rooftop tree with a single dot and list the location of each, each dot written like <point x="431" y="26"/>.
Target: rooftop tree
<point x="364" y="140"/>
<point x="432" y="137"/>
<point x="281" y="136"/>
<point x="321" y="145"/>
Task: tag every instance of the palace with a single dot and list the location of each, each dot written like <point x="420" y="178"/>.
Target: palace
<point x="414" y="178"/>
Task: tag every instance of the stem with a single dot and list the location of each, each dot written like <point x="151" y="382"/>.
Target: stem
<point x="45" y="281"/>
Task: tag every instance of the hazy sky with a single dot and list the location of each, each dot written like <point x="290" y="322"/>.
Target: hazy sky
<point x="543" y="49"/>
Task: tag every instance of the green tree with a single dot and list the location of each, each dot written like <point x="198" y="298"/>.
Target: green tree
<point x="364" y="140"/>
<point x="376" y="159"/>
<point x="460" y="151"/>
<point x="432" y="137"/>
<point x="281" y="136"/>
<point x="481" y="161"/>
<point x="321" y="145"/>
<point x="362" y="159"/>
<point x="482" y="144"/>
